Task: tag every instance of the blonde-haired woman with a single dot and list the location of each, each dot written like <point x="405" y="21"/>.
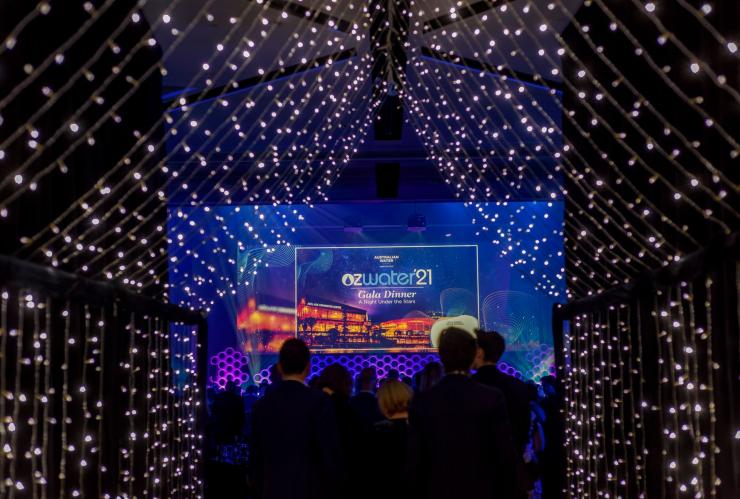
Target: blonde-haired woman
<point x="394" y="398"/>
<point x="390" y="441"/>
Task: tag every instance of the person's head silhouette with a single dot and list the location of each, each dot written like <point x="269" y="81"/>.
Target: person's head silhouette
<point x="491" y="346"/>
<point x="457" y="349"/>
<point x="294" y="360"/>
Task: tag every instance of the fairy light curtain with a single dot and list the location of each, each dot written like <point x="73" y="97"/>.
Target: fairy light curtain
<point x="624" y="109"/>
<point x="100" y="393"/>
<point x="650" y="367"/>
<point x="650" y="383"/>
<point x="81" y="90"/>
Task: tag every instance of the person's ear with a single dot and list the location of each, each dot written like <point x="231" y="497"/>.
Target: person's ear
<point x="478" y="360"/>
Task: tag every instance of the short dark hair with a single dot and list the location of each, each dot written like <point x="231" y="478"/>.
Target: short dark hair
<point x="429" y="375"/>
<point x="367" y="379"/>
<point x="457" y="349"/>
<point x="492" y="344"/>
<point x="294" y="357"/>
<point x="337" y="378"/>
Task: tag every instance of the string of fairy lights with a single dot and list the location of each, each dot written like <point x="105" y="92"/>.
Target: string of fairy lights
<point x="72" y="123"/>
<point x="431" y="121"/>
<point x="360" y="127"/>
<point x="343" y="99"/>
<point x="178" y="40"/>
<point x="681" y="397"/>
<point x="717" y="197"/>
<point x="487" y="189"/>
<point x="152" y="148"/>
<point x="78" y="246"/>
<point x="492" y="138"/>
<point x="556" y="154"/>
<point x="65" y="395"/>
<point x="98" y="219"/>
<point x="184" y="183"/>
<point x="275" y="201"/>
<point x="565" y="114"/>
<point x="507" y="237"/>
<point x="226" y="177"/>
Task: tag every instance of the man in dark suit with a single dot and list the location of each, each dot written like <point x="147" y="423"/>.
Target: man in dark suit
<point x="364" y="403"/>
<point x="295" y="445"/>
<point x="460" y="442"/>
<point x="491" y="346"/>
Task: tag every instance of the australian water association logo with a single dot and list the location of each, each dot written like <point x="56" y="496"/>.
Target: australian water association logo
<point x="417" y="277"/>
<point x="386" y="259"/>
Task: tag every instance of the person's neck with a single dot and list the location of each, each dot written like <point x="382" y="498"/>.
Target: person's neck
<point x="459" y="372"/>
<point x="399" y="415"/>
<point x="295" y="377"/>
<point x="488" y="363"/>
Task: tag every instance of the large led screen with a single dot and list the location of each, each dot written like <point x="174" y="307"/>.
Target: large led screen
<point x="369" y="298"/>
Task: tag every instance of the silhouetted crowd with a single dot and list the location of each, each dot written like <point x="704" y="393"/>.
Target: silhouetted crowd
<point x="446" y="433"/>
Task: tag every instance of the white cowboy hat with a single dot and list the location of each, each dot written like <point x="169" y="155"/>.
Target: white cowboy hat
<point x="465" y="322"/>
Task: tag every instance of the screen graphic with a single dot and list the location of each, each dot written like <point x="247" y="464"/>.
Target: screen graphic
<point x="381" y="297"/>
